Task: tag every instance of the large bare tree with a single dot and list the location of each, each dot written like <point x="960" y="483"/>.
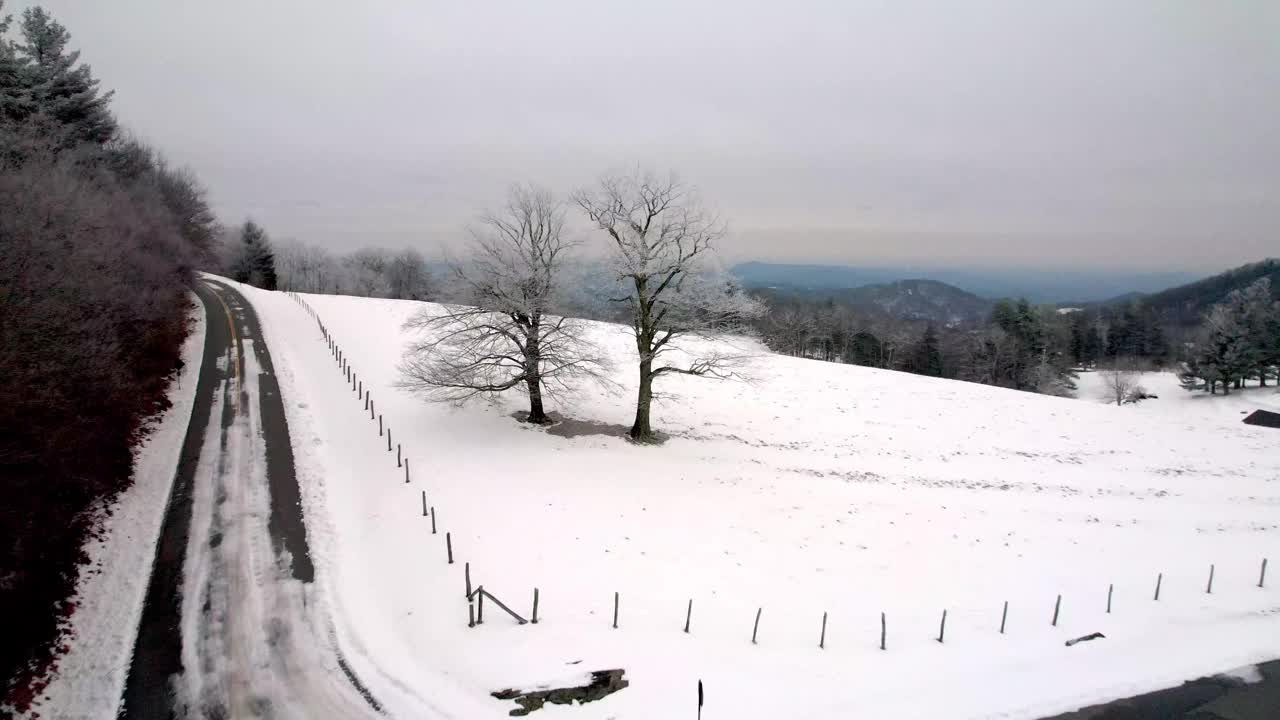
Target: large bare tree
<point x="661" y="238"/>
<point x="502" y="334"/>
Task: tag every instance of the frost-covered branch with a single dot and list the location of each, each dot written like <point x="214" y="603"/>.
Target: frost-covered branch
<point x="662" y="238"/>
<point x="501" y="334"/>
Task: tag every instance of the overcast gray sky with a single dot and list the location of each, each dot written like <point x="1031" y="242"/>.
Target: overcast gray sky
<point x="1120" y="133"/>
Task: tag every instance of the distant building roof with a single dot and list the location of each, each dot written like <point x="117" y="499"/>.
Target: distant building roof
<point x="1264" y="418"/>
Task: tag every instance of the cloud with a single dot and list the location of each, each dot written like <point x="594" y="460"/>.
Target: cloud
<point x="1137" y="133"/>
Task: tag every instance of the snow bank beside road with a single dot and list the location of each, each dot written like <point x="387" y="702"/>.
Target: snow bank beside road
<point x="90" y="676"/>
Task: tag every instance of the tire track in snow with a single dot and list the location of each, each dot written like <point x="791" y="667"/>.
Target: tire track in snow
<point x="244" y="636"/>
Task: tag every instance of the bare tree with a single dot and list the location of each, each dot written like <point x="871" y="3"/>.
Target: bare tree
<point x="502" y="335"/>
<point x="1120" y="380"/>
<point x="306" y="268"/>
<point x="365" y="273"/>
<point x="407" y="276"/>
<point x="661" y="238"/>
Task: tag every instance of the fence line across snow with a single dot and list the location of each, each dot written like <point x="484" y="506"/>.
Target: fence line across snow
<point x="475" y="596"/>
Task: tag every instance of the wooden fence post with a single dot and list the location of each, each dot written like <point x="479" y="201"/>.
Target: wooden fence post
<point x="501" y="605"/>
<point x="756" y="628"/>
<point x="480" y="605"/>
<point x="688" y="616"/>
<point x="433" y="517"/>
<point x="448" y="544"/>
<point x="822" y="639"/>
<point x="1004" y="615"/>
<point x="466" y="571"/>
<point x="942" y="629"/>
<point x="1057" y="605"/>
<point x="406" y="471"/>
<point x="535" y="606"/>
<point x="1209" y="588"/>
<point x="882" y="631"/>
<point x="1263" y="577"/>
<point x="471" y="612"/>
<point x="615" y="610"/>
<point x="1159" y="579"/>
<point x="398" y="462"/>
<point x="424" y="503"/>
<point x="379" y="424"/>
<point x="1110" y="589"/>
<point x="389" y="440"/>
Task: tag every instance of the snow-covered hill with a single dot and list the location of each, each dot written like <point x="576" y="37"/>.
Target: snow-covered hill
<point x="815" y="488"/>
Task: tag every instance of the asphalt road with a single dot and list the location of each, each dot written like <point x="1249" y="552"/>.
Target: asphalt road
<point x="230" y="626"/>
<point x="1210" y="698"/>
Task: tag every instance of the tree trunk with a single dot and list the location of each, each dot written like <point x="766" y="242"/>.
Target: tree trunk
<point x="533" y="371"/>
<point x="1262" y="377"/>
<point x="536" y="414"/>
<point x="640" y="429"/>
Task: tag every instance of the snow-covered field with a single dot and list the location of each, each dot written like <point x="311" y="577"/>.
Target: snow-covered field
<point x="1173" y="401"/>
<point x="817" y="488"/>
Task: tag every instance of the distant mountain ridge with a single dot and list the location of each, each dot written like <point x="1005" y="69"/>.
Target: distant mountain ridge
<point x="920" y="299"/>
<point x="915" y="299"/>
<point x="1038" y="286"/>
<point x="1185" y="304"/>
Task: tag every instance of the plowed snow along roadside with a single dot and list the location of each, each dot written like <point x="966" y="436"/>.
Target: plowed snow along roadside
<point x="818" y="487"/>
<point x="90" y="677"/>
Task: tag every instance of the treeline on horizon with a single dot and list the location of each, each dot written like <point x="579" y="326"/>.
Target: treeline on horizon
<point x="248" y="256"/>
<point x="1019" y="345"/>
<point x="1217" y="333"/>
<point x="101" y="238"/>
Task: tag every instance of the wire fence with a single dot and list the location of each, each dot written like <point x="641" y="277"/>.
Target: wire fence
<point x="476" y="595"/>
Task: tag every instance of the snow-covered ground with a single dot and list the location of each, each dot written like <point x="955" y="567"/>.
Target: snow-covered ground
<point x="1173" y="401"/>
<point x="816" y="488"/>
<point x="90" y="676"/>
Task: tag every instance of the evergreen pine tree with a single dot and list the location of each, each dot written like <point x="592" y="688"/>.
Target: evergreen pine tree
<point x="14" y="98"/>
<point x="1228" y="355"/>
<point x="255" y="264"/>
<point x="1255" y="310"/>
<point x="54" y="85"/>
<point x="1076" y="345"/>
<point x="1092" y="345"/>
<point x="926" y="356"/>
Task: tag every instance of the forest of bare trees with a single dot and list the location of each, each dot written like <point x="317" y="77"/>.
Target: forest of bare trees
<point x="369" y="272"/>
<point x="101" y="237"/>
<point x="1021" y="346"/>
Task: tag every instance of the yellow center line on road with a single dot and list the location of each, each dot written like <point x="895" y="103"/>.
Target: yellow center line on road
<point x="235" y="348"/>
